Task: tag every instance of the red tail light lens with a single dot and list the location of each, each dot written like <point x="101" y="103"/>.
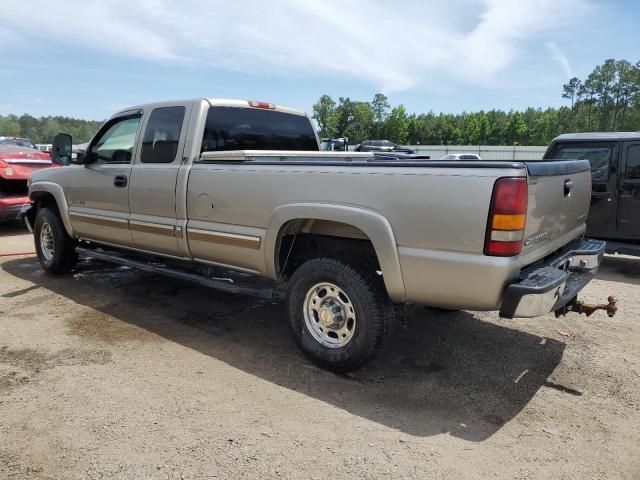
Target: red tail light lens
<point x="507" y="217"/>
<point x="266" y="105"/>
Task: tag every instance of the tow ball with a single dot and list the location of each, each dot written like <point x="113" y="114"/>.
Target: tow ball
<point x="588" y="308"/>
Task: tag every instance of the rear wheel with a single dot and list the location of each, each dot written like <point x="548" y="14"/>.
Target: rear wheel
<point x="54" y="247"/>
<point x="339" y="314"/>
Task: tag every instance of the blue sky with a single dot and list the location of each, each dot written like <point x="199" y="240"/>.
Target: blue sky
<point x="87" y="59"/>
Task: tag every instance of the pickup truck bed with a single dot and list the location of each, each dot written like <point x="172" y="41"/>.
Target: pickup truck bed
<point x="348" y="233"/>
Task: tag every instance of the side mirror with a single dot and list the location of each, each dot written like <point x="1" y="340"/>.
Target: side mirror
<point x="61" y="149"/>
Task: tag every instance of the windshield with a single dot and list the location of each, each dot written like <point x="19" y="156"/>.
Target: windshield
<point x="451" y="156"/>
<point x="20" y="142"/>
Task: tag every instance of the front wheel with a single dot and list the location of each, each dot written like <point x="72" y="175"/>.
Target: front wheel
<point x="54" y="247"/>
<point x="339" y="315"/>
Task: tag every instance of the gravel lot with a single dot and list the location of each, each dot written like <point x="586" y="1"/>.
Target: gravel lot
<point x="116" y="374"/>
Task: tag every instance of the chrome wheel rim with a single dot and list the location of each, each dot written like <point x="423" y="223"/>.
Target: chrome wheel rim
<point x="46" y="241"/>
<point x="329" y="315"/>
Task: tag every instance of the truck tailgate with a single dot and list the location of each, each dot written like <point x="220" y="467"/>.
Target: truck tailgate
<point x="558" y="203"/>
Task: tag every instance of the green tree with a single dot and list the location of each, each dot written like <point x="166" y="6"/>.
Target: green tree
<point x="361" y="123"/>
<point x="380" y="106"/>
<point x="9" y="126"/>
<point x="324" y="112"/>
<point x="517" y="131"/>
<point x="571" y="89"/>
<point x="396" y="127"/>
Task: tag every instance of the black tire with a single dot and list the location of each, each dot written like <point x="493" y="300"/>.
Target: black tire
<point x="61" y="258"/>
<point x="364" y="289"/>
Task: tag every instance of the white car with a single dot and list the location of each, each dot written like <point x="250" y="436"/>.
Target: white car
<point x="461" y="156"/>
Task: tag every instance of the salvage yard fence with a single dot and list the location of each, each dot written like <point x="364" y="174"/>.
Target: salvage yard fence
<point x="486" y="152"/>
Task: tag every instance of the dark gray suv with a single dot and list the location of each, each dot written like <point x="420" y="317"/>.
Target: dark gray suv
<point x="382" y="146"/>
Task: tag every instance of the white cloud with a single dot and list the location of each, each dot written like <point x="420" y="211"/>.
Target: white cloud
<point x="562" y="60"/>
<point x="394" y="45"/>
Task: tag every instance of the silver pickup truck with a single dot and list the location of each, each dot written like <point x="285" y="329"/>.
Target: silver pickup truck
<point x="188" y="188"/>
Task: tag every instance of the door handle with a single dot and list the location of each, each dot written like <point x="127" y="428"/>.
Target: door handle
<point x="568" y="187"/>
<point x="120" y="181"/>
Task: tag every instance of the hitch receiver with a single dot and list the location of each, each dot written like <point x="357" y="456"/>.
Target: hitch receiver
<point x="588" y="308"/>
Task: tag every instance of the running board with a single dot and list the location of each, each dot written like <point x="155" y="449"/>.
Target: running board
<point x="224" y="284"/>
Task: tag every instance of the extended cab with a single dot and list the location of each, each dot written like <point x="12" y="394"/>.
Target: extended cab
<point x="187" y="188"/>
<point x="615" y="176"/>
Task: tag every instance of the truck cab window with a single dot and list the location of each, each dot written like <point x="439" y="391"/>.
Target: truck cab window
<point x="116" y="143"/>
<point x="598" y="155"/>
<point x="230" y="128"/>
<point x="162" y="135"/>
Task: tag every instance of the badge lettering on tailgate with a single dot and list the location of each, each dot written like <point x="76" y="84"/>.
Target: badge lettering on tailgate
<point x="536" y="238"/>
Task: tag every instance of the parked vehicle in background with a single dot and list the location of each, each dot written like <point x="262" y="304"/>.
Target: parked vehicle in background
<point x="615" y="176"/>
<point x="382" y="146"/>
<point x="17" y="163"/>
<point x="19" y="142"/>
<point x="400" y="156"/>
<point x="188" y="188"/>
<point x="461" y="156"/>
<point x="334" y="144"/>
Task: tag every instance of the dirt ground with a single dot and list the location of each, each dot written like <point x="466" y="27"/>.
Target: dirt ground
<point x="116" y="374"/>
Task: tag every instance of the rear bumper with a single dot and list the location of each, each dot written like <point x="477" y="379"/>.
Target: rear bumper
<point x="549" y="286"/>
<point x="13" y="208"/>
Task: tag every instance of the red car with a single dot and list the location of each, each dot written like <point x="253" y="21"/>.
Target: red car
<point x="17" y="163"/>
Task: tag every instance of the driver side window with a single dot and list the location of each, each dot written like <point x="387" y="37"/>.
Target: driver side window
<point x="115" y="145"/>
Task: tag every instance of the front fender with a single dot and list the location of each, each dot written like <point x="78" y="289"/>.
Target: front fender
<point x="374" y="225"/>
<point x="38" y="188"/>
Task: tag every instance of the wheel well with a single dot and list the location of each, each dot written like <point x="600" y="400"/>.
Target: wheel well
<point x="42" y="199"/>
<point x="303" y="239"/>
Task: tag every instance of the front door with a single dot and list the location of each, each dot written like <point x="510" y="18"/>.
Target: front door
<point x="629" y="197"/>
<point x="98" y="191"/>
<point x="152" y="197"/>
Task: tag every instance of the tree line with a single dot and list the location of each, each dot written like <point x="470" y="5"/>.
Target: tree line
<point x="43" y="129"/>
<point x="607" y="100"/>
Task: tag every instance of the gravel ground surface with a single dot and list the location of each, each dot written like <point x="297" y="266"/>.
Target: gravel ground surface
<point x="116" y="374"/>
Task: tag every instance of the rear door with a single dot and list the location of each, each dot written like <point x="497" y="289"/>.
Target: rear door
<point x="603" y="157"/>
<point x="152" y="197"/>
<point x="628" y="219"/>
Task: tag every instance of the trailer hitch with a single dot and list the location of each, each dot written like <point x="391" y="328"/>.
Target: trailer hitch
<point x="588" y="308"/>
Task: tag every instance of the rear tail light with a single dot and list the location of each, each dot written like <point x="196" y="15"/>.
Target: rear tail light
<point x="267" y="105"/>
<point x="507" y="217"/>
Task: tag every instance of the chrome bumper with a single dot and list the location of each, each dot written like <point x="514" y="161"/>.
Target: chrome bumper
<point x="550" y="285"/>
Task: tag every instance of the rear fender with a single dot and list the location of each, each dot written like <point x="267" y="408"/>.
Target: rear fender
<point x="374" y="225"/>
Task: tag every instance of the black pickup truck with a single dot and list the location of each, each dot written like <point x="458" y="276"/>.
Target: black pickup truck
<point x="615" y="174"/>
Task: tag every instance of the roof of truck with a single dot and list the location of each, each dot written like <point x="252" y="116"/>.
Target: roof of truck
<point x="599" y="136"/>
<point x="218" y="102"/>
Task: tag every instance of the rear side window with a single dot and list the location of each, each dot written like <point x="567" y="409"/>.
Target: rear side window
<point x="599" y="155"/>
<point x="633" y="162"/>
<point x="162" y="135"/>
<point x="232" y="128"/>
